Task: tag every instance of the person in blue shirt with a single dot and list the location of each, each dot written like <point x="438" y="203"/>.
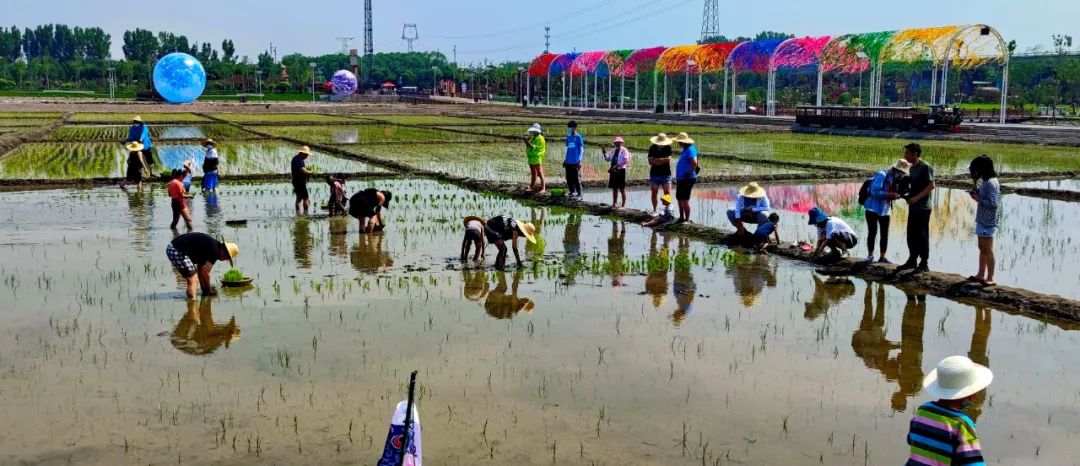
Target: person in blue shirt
<point x="575" y="148"/>
<point x="686" y="171"/>
<point x="752" y="206"/>
<point x="769" y="227"/>
<point x="878" y="207"/>
<point x="139" y="132"/>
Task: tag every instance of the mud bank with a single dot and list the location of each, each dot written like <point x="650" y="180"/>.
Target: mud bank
<point x="91" y="182"/>
<point x="10" y="141"/>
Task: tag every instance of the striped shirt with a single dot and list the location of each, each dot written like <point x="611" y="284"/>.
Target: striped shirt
<point x="941" y="436"/>
<point x="988" y="194"/>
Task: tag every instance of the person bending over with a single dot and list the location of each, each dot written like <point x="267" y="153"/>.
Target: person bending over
<point x="499" y="229"/>
<point x="193" y="256"/>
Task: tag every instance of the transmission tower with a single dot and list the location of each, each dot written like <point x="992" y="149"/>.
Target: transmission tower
<point x="345" y="43"/>
<point x="547" y="38"/>
<point x="710" y="20"/>
<point x="369" y="44"/>
<point x="409" y="34"/>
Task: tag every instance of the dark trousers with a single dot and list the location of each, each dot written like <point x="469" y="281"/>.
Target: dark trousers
<point x="873" y="222"/>
<point x="573" y="178"/>
<point x="918" y="235"/>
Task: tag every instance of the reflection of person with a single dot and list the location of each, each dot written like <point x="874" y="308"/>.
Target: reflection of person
<point x="752" y="206"/>
<point x="194" y="254"/>
<point x="197" y="334"/>
<point x="751" y="276"/>
<point x="686" y="172"/>
<point x="139" y="132"/>
<point x="833" y="233"/>
<point x="940" y="431"/>
<point x="210" y="166"/>
<point x="535" y="148"/>
<point x="659" y="166"/>
<point x="474" y="284"/>
<point x="619" y="159"/>
<point x="575" y="148"/>
<point x="300" y="174"/>
<point x="178" y="200"/>
<point x="136" y="165"/>
<point x="987" y="193"/>
<point x="338" y="228"/>
<point x="683" y="284"/>
<point x="869" y="341"/>
<point x="366" y="207"/>
<point x="572" y="247"/>
<point x="505" y="306"/>
<point x="980" y="353"/>
<point x="907" y="367"/>
<point x="497" y="230"/>
<point x="301" y="235"/>
<point x="616" y="249"/>
<point x="656" y="280"/>
<point x="827" y="294"/>
<point x="878" y="205"/>
<point x="474" y="235"/>
<point x="919" y="208"/>
<point x="368" y="255"/>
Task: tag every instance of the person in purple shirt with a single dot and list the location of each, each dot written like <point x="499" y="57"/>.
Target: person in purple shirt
<point x="575" y="148"/>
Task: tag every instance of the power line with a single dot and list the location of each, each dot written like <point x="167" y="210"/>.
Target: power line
<point x="518" y="29"/>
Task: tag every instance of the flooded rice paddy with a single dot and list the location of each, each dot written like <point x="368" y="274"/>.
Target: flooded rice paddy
<point x="1063" y="185"/>
<point x="613" y="345"/>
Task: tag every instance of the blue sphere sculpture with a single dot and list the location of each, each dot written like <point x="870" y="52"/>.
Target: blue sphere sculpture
<point x="179" y="78"/>
<point x="343" y="83"/>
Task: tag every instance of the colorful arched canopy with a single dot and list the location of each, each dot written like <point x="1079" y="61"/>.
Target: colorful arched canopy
<point x="642" y="60"/>
<point x="586" y="63"/>
<point x="713" y="57"/>
<point x="753" y="56"/>
<point x="799" y="52"/>
<point x="854" y="53"/>
<point x="541" y="64"/>
<point x="614" y="62"/>
<point x="562" y="63"/>
<point x="675" y="59"/>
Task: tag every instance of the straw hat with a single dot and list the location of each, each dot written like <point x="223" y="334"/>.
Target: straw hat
<point x="535" y="128"/>
<point x="187" y="163"/>
<point x="232" y="249"/>
<point x="527" y="229"/>
<point x="208" y="142"/>
<point x="661" y="139"/>
<point x="902" y="166"/>
<point x="473" y="217"/>
<point x="137" y="118"/>
<point x="957" y="377"/>
<point x="683" y="138"/>
<point x="133" y="146"/>
<point x="666" y="198"/>
<point x="752" y="191"/>
<point x="816" y="216"/>
<point x="618" y="140"/>
<point x="305" y="150"/>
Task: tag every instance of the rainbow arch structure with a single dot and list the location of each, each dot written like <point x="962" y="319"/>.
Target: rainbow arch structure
<point x="942" y="48"/>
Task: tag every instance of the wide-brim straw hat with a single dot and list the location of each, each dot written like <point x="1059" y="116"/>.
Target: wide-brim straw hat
<point x="957" y="377"/>
<point x="618" y="139"/>
<point x="208" y="141"/>
<point x="473" y="217"/>
<point x="661" y="139"/>
<point x="232" y="249"/>
<point x="527" y="229"/>
<point x="683" y="138"/>
<point x="752" y="191"/>
<point x="305" y="150"/>
<point x="137" y="118"/>
<point x="187" y="163"/>
<point x="902" y="166"/>
<point x="133" y="146"/>
<point x="535" y="128"/>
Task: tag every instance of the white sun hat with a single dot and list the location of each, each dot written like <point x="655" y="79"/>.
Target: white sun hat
<point x="957" y="377"/>
<point x="535" y="128"/>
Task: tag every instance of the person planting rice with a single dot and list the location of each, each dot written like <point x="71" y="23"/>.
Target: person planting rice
<point x="179" y="199"/>
<point x="139" y="132"/>
<point x="300" y="174"/>
<point x="619" y="157"/>
<point x="575" y="149"/>
<point x="686" y="171"/>
<point x="474" y="234"/>
<point x="666" y="214"/>
<point x="752" y="206"/>
<point x="193" y="255"/>
<point x="535" y="148"/>
<point x="210" y="166"/>
<point x="770" y="227"/>
<point x="366" y="206"/>
<point x="336" y="206"/>
<point x="499" y="229"/>
<point x="659" y="166"/>
<point x="940" y="432"/>
<point x="136" y="165"/>
<point x="833" y="233"/>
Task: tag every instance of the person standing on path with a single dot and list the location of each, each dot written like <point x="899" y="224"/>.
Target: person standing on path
<point x="210" y="166"/>
<point x="300" y="174"/>
<point x="940" y="432"/>
<point x="535" y="148"/>
<point x="659" y="166"/>
<point x="619" y="158"/>
<point x="987" y="192"/>
<point x="136" y="165"/>
<point x="194" y="254"/>
<point x="686" y="172"/>
<point x="179" y="200"/>
<point x="878" y="207"/>
<point x="139" y="132"/>
<point x="575" y="149"/>
<point x="919" y="205"/>
<point x="752" y="206"/>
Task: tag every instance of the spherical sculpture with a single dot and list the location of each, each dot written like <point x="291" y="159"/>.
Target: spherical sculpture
<point x="179" y="78"/>
<point x="343" y="83"/>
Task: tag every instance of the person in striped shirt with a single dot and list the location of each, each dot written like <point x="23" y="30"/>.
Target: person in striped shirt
<point x="941" y="434"/>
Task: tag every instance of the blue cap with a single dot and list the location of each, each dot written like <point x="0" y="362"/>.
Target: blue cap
<point x="816" y="216"/>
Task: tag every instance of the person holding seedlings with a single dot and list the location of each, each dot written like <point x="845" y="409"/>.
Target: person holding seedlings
<point x="987" y="192"/>
<point x="474" y="233"/>
<point x="619" y="157"/>
<point x="575" y="148"/>
<point x="136" y="165"/>
<point x="878" y="206"/>
<point x="940" y="432"/>
<point x="194" y="254"/>
<point x="139" y="132"/>
<point x="686" y="172"/>
<point x="337" y="202"/>
<point x="300" y="174"/>
<point x="665" y="216"/>
<point x="499" y="229"/>
<point x="366" y="206"/>
<point x="752" y="206"/>
<point x="919" y="209"/>
<point x="659" y="166"/>
<point x="535" y="148"/>
<point x="833" y="233"/>
<point x="210" y="166"/>
<point x="770" y="227"/>
<point x="179" y="199"/>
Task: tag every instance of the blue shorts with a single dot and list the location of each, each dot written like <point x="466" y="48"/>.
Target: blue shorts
<point x="985" y="232"/>
<point x="659" y="180"/>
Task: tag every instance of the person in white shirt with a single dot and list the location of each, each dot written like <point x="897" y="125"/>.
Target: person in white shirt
<point x="474" y="234"/>
<point x="833" y="233"/>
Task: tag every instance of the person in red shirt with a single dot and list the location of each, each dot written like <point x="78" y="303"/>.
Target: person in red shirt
<point x="179" y="200"/>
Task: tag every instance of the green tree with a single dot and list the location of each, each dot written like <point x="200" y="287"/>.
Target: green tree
<point x="140" y="45"/>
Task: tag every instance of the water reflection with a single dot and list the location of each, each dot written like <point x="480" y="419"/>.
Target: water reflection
<point x="535" y="251"/>
<point x="213" y="217"/>
<point x="616" y="249"/>
<point x="475" y="284"/>
<point x="197" y="334"/>
<point x="141" y="208"/>
<point x="572" y="260"/>
<point x="346" y="136"/>
<point x="750" y="275"/>
<point x="338" y="238"/>
<point x="368" y="255"/>
<point x="683" y="284"/>
<point x="301" y="234"/>
<point x="872" y="346"/>
<point x="980" y="353"/>
<point x="827" y="294"/>
<point x="656" y="281"/>
<point x="501" y="305"/>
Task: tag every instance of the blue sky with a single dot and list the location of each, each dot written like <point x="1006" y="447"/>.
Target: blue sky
<point x="513" y="29"/>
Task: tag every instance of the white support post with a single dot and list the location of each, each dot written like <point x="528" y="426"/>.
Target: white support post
<point x="635" y="92"/>
<point x="665" y="92"/>
<point x="944" y="84"/>
<point x="528" y="87"/>
<point x="734" y="90"/>
<point x="933" y="86"/>
<point x="723" y="103"/>
<point x="547" y="93"/>
<point x="622" y="91"/>
<point x="770" y="93"/>
<point x="700" y="81"/>
<point x="1004" y="91"/>
<point x="609" y="90"/>
<point x="654" y="89"/>
<point x="820" y="80"/>
<point x="569" y="101"/>
<point x="595" y="91"/>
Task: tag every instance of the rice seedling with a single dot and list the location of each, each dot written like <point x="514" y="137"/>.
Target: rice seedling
<point x="149" y="118"/>
<point x="372" y="134"/>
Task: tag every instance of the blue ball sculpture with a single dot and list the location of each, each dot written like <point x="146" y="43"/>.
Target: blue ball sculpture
<point x="343" y="83"/>
<point x="179" y="78"/>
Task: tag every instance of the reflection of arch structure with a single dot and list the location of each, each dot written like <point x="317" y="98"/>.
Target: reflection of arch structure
<point x="945" y="48"/>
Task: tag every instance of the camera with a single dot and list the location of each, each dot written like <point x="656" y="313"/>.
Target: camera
<point x="903" y="185"/>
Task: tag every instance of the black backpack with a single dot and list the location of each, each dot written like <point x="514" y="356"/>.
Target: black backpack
<point x="864" y="191"/>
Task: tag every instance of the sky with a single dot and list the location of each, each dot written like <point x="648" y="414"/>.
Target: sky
<point x="500" y="30"/>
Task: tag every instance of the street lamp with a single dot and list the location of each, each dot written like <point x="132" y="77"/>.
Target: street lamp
<point x="434" y="79"/>
<point x="312" y="65"/>
<point x="686" y="102"/>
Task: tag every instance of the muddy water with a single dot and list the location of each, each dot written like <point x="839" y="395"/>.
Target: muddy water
<point x="1064" y="185"/>
<point x="1034" y="245"/>
<point x="589" y="356"/>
